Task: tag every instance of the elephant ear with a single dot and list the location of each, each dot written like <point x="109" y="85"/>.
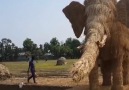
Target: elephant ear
<point x="123" y="12"/>
<point x="75" y="12"/>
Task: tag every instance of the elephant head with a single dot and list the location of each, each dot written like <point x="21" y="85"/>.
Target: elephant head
<point x="97" y="17"/>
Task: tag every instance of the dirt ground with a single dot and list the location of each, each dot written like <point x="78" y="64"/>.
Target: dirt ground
<point x="47" y="83"/>
<point x="43" y="83"/>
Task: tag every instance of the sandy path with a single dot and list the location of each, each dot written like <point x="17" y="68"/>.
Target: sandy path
<point x="51" y="83"/>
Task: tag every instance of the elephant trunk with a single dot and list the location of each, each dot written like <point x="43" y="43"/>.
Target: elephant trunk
<point x="88" y="58"/>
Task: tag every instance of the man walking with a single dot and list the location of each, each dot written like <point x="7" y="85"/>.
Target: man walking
<point x="31" y="68"/>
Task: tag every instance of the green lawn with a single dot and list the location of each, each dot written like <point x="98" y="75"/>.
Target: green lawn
<point x="42" y="67"/>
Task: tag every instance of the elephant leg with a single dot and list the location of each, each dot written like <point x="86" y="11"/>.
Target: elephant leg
<point x="93" y="78"/>
<point x="126" y="71"/>
<point x="106" y="72"/>
<point x="117" y="74"/>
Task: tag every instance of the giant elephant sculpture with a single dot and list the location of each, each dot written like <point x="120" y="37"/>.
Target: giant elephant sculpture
<point x="107" y="38"/>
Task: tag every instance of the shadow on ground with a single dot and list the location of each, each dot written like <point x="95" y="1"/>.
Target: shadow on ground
<point x="42" y="87"/>
<point x="32" y="87"/>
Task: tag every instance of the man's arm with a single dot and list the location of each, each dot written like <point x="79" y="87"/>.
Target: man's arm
<point x="28" y="67"/>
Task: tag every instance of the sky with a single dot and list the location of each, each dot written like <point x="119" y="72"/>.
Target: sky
<point x="39" y="20"/>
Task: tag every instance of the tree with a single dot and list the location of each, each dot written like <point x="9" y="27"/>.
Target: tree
<point x="7" y="49"/>
<point x="54" y="41"/>
<point x="55" y="47"/>
<point x="38" y="53"/>
<point x="46" y="47"/>
<point x="66" y="51"/>
<point x="41" y="46"/>
<point x="73" y="44"/>
<point x="16" y="52"/>
<point x="1" y="50"/>
<point x="28" y="45"/>
<point x="6" y="41"/>
<point x="68" y="42"/>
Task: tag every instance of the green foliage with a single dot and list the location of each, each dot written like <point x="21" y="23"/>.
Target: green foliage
<point x="46" y="47"/>
<point x="73" y="44"/>
<point x="38" y="53"/>
<point x="7" y="50"/>
<point x="67" y="49"/>
<point x="68" y="42"/>
<point x="64" y="50"/>
<point x="55" y="47"/>
<point x="54" y="42"/>
<point x="28" y="45"/>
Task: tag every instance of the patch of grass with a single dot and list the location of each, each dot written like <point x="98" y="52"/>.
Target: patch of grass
<point x="51" y="65"/>
<point x="20" y="68"/>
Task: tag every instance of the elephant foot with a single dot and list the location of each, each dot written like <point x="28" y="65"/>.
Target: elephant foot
<point x="126" y="82"/>
<point x="106" y="79"/>
<point x="117" y="87"/>
<point x="106" y="84"/>
<point x="95" y="87"/>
